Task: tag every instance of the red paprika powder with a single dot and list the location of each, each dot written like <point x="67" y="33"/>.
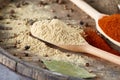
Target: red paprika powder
<point x="93" y="38"/>
<point x="111" y="26"/>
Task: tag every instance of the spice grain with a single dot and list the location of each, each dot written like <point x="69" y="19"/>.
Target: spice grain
<point x="111" y="26"/>
<point x="95" y="39"/>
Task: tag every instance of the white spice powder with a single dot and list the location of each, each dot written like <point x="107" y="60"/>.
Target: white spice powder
<point x="56" y="32"/>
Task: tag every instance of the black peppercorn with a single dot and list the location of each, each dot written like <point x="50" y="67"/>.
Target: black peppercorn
<point x="81" y="23"/>
<point x="12" y="11"/>
<point x="46" y="55"/>
<point x="43" y="3"/>
<point x="1" y="40"/>
<point x="87" y="64"/>
<point x="55" y="17"/>
<point x="68" y="55"/>
<point x="18" y="5"/>
<point x="27" y="47"/>
<point x="26" y="54"/>
<point x="68" y="15"/>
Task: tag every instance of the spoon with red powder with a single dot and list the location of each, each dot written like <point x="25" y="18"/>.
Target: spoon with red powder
<point x="107" y="25"/>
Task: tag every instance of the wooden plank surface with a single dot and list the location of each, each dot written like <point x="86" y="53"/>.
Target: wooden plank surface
<point x="7" y="74"/>
<point x="105" y="6"/>
<point x="40" y="74"/>
<point x="29" y="70"/>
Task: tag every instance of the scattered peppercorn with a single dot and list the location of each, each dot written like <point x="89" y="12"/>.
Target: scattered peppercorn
<point x="12" y="0"/>
<point x="15" y="54"/>
<point x="55" y="17"/>
<point x="43" y="3"/>
<point x="68" y="15"/>
<point x="27" y="47"/>
<point x="12" y="11"/>
<point x="87" y="64"/>
<point x="1" y="40"/>
<point x="28" y="33"/>
<point x="24" y="3"/>
<point x="68" y="55"/>
<point x="81" y="23"/>
<point x="7" y="22"/>
<point x="18" y="5"/>
<point x="26" y="54"/>
<point x="46" y="55"/>
<point x="40" y="61"/>
<point x="15" y="46"/>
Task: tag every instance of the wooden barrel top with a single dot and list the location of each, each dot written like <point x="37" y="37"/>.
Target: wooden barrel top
<point x="30" y="70"/>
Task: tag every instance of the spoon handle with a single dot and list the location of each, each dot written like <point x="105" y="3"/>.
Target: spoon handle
<point x="119" y="6"/>
<point x="87" y="8"/>
<point x="86" y="48"/>
<point x="102" y="54"/>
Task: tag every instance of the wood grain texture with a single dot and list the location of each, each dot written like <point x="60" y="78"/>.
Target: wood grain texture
<point x="7" y="61"/>
<point x="105" y="6"/>
<point x="29" y="70"/>
<point x="11" y="75"/>
<point x="23" y="68"/>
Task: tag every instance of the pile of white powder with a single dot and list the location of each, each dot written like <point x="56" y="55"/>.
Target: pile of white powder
<point x="56" y="32"/>
<point x="50" y="30"/>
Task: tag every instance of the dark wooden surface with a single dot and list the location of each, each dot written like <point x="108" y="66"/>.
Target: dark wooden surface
<point x="34" y="72"/>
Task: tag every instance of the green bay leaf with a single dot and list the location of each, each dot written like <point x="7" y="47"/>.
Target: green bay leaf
<point x="68" y="69"/>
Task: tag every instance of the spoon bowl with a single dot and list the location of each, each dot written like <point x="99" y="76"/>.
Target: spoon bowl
<point x="113" y="43"/>
<point x="96" y="16"/>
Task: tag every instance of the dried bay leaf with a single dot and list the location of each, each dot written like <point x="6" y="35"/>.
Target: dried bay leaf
<point x="68" y="69"/>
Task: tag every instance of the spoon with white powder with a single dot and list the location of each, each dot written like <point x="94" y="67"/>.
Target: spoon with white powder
<point x="60" y="34"/>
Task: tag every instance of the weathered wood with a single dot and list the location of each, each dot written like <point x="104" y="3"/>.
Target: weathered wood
<point x="38" y="75"/>
<point x="105" y="6"/>
<point x="30" y="70"/>
<point x="24" y="69"/>
<point x="7" y="61"/>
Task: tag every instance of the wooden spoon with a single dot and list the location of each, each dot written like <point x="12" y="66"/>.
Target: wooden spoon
<point x="96" y="16"/>
<point x="84" y="47"/>
<point x="119" y="6"/>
